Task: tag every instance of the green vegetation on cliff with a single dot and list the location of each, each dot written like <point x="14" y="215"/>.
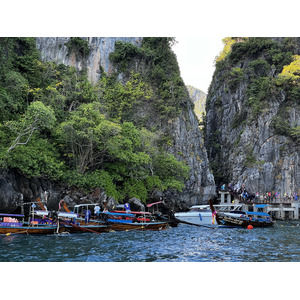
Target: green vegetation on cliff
<point x="258" y="71"/>
<point x="162" y="71"/>
<point x="55" y="124"/>
<point x="267" y="66"/>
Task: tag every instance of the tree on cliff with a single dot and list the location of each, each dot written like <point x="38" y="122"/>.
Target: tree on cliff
<point x="55" y="124"/>
<point x="37" y="117"/>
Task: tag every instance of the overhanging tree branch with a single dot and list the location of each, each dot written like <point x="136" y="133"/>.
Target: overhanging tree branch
<point x="28" y="131"/>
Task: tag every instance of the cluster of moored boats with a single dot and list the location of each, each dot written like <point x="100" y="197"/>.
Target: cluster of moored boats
<point x="48" y="222"/>
<point x="43" y="221"/>
<point x="224" y="216"/>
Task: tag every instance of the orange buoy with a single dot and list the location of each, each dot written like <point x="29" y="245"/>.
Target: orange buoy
<point x="249" y="227"/>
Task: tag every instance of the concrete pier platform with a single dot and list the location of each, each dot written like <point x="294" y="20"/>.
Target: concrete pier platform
<point x="281" y="210"/>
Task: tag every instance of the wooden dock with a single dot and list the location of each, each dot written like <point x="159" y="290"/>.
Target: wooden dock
<point x="279" y="208"/>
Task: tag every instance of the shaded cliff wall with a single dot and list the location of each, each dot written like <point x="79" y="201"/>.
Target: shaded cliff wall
<point x="199" y="99"/>
<point x="241" y="138"/>
<point x="189" y="145"/>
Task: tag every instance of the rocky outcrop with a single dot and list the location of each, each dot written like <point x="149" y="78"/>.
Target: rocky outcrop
<point x="246" y="148"/>
<point x="16" y="189"/>
<point x="189" y="145"/>
<point x="199" y="99"/>
<point x="10" y="199"/>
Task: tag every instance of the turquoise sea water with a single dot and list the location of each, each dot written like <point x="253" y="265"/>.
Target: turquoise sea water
<point x="184" y="243"/>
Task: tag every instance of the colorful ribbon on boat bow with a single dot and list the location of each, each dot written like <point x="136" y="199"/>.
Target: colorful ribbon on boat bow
<point x="214" y="217"/>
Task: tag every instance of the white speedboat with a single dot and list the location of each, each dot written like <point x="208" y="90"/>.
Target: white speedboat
<point x="202" y="215"/>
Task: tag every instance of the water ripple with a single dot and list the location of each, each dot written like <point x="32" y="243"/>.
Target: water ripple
<point x="182" y="244"/>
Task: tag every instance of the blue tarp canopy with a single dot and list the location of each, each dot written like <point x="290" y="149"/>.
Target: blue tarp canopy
<point x="117" y="214"/>
<point x="11" y="215"/>
<point x="257" y="213"/>
<point x="261" y="205"/>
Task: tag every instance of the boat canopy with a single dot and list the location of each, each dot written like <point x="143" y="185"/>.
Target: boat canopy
<point x="261" y="205"/>
<point x="11" y="215"/>
<point x="116" y="214"/>
<point x="85" y="205"/>
<point x="67" y="215"/>
<point x="257" y="213"/>
<point x="132" y="212"/>
<point x="200" y="206"/>
<point x="45" y="213"/>
<point x="151" y="204"/>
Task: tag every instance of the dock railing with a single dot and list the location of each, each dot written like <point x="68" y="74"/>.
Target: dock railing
<point x="269" y="200"/>
<point x="262" y="199"/>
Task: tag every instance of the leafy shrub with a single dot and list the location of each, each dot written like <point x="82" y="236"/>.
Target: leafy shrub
<point x="260" y="67"/>
<point x="259" y="92"/>
<point x="123" y="53"/>
<point x="162" y="71"/>
<point x="234" y="78"/>
<point x="238" y="119"/>
<point x="78" y="45"/>
<point x="280" y="125"/>
<point x="291" y="72"/>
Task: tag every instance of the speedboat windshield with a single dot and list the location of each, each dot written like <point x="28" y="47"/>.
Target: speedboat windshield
<point x="200" y="208"/>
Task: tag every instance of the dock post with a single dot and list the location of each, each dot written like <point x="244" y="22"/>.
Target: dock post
<point x="222" y="198"/>
<point x="296" y="210"/>
<point x="229" y="198"/>
<point x="281" y="212"/>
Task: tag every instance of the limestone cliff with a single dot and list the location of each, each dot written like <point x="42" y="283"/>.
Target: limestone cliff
<point x="55" y="49"/>
<point x="199" y="98"/>
<point x="187" y="139"/>
<point x="251" y="114"/>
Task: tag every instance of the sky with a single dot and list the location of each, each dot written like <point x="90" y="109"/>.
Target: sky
<point x="196" y="56"/>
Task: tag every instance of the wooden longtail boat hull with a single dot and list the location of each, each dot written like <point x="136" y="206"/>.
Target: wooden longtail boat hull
<point x="80" y="226"/>
<point x="30" y="230"/>
<point x="139" y="226"/>
<point x="226" y="220"/>
<point x="87" y="228"/>
<point x="241" y="222"/>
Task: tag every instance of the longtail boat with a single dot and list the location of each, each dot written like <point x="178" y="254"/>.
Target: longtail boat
<point x="139" y="226"/>
<point x="14" y="224"/>
<point x="128" y="221"/>
<point x="72" y="223"/>
<point x="242" y="218"/>
<point x="116" y="221"/>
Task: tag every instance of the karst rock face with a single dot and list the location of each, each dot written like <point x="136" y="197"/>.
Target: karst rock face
<point x="188" y="139"/>
<point x="244" y="143"/>
<point x="188" y="143"/>
<point x="55" y="49"/>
